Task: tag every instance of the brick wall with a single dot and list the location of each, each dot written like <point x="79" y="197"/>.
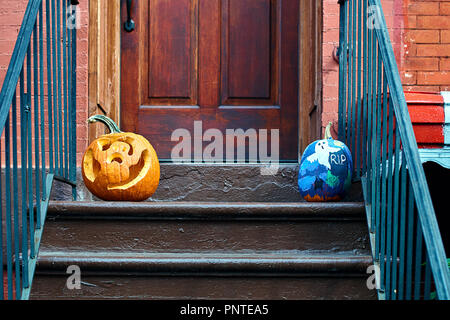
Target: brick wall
<point x="11" y="15"/>
<point x="426" y="37"/>
<point x="420" y="34"/>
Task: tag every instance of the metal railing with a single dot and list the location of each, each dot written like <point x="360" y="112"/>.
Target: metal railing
<point x="374" y="122"/>
<point x="38" y="142"/>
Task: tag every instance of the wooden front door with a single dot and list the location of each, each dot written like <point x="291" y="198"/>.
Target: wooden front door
<point x="231" y="64"/>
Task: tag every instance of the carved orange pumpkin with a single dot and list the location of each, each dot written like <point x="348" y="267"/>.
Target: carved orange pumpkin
<point x="120" y="165"/>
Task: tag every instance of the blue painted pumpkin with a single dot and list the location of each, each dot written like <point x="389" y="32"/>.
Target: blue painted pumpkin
<point x="325" y="172"/>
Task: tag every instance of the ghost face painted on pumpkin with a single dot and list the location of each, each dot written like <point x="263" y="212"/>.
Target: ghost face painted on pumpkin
<point x="322" y="153"/>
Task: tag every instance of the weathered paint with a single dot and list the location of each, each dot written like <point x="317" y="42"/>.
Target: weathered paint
<point x="427" y="115"/>
<point x="430" y="115"/>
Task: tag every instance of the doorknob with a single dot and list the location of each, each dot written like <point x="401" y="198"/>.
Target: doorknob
<point x="129" y="24"/>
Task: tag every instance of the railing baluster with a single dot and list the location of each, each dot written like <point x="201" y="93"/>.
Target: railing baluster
<point x="16" y="199"/>
<point x="418" y="269"/>
<point x="380" y="198"/>
<point x="9" y="241"/>
<point x="356" y="156"/>
<point x="48" y="19"/>
<point x="365" y="91"/>
<point x="389" y="203"/>
<point x="60" y="102"/>
<point x="55" y="87"/>
<point x="395" y="224"/>
<point x="36" y="128"/>
<point x="370" y="134"/>
<point x="427" y="284"/>
<point x="69" y="81"/>
<point x="29" y="151"/>
<point x="353" y="104"/>
<point x="374" y="139"/>
<point x="23" y="174"/>
<point x="401" y="268"/>
<point x="42" y="104"/>
<point x="65" y="75"/>
<point x="410" y="242"/>
<point x="350" y="73"/>
<point x="73" y="118"/>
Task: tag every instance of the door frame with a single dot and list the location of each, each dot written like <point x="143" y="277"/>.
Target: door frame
<point x="104" y="66"/>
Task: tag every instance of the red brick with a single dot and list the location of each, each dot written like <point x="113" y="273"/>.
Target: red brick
<point x="433" y="22"/>
<point x="410" y="50"/>
<point x="331" y="36"/>
<point x="389" y="8"/>
<point x="423" y="36"/>
<point x="330" y="10"/>
<point x="330" y="106"/>
<point x="331" y="21"/>
<point x="330" y="78"/>
<point x="444" y="64"/>
<point x="424" y="64"/>
<point x="79" y="158"/>
<point x="422" y="88"/>
<point x="411" y="21"/>
<point x="445" y="8"/>
<point x="445" y="36"/>
<point x="408" y="78"/>
<point x="433" y="50"/>
<point x="330" y="92"/>
<point x="434" y="78"/>
<point x="4" y="59"/>
<point x="422" y="8"/>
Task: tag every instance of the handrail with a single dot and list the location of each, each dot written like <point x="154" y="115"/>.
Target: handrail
<point x="382" y="139"/>
<point x="38" y="126"/>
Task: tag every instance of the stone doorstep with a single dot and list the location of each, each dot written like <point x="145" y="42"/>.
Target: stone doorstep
<point x="212" y="183"/>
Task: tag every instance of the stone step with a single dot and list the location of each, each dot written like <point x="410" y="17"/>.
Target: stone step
<point x="178" y="226"/>
<point x="205" y="250"/>
<point x="270" y="275"/>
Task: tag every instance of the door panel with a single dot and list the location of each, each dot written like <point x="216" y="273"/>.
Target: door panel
<point x="247" y="50"/>
<point x="172" y="48"/>
<point x="231" y="64"/>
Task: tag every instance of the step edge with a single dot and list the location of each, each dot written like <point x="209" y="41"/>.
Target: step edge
<point x="197" y="263"/>
<point x="205" y="210"/>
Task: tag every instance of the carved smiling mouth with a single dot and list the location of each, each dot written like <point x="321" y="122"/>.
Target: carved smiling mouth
<point x="136" y="172"/>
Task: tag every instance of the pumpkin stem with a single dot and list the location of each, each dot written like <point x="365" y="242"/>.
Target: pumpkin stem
<point x="112" y="126"/>
<point x="328" y="131"/>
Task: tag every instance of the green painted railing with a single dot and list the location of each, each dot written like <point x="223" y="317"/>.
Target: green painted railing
<point x="38" y="142"/>
<point x="374" y="122"/>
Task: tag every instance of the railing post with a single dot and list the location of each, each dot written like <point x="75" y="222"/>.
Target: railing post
<point x="73" y="114"/>
<point x="399" y="209"/>
<point x="427" y="216"/>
